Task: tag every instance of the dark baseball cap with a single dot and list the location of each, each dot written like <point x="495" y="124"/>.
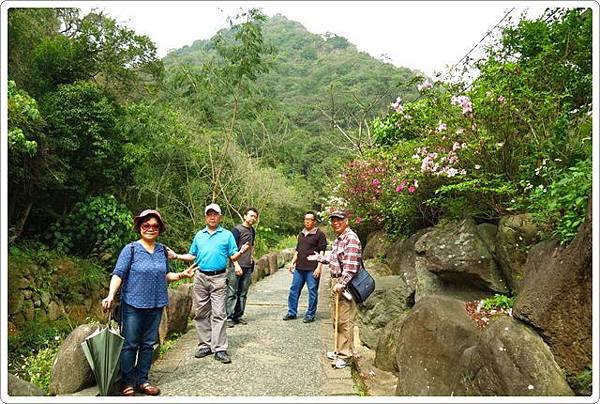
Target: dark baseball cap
<point x="339" y="214"/>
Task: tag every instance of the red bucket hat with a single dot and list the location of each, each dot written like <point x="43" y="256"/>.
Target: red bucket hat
<point x="137" y="221"/>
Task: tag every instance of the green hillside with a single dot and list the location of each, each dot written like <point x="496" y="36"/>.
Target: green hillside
<point x="314" y="83"/>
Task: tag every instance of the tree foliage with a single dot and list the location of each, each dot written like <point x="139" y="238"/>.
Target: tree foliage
<point x="516" y="139"/>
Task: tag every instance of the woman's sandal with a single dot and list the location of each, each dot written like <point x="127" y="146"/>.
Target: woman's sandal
<point x="128" y="391"/>
<point x="148" y="389"/>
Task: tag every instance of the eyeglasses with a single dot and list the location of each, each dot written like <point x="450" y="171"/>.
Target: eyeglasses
<point x="146" y="227"/>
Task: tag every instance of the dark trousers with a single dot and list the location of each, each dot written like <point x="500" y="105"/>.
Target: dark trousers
<point x="237" y="292"/>
<point x="140" y="329"/>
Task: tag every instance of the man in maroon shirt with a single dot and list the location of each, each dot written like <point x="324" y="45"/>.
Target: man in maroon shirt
<point x="306" y="272"/>
<point x="344" y="262"/>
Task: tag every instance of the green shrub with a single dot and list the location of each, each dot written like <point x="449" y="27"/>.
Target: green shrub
<point x="560" y="208"/>
<point x="38" y="367"/>
<point x="286" y="242"/>
<point x="32" y="351"/>
<point x="98" y="226"/>
<point x="582" y="381"/>
<point x="499" y="144"/>
<point x="498" y="302"/>
<point x="168" y="344"/>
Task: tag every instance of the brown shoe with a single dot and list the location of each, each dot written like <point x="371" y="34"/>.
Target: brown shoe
<point x="148" y="389"/>
<point x="128" y="391"/>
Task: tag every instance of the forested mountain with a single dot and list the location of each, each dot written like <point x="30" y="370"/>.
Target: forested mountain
<point x="317" y="87"/>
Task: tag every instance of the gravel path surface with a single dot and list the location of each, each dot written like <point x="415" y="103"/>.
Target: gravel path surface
<point x="270" y="357"/>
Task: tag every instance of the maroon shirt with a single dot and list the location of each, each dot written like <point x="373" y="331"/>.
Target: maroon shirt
<point x="307" y="244"/>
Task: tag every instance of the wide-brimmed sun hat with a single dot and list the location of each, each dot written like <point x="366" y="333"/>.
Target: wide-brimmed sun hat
<point x="139" y="219"/>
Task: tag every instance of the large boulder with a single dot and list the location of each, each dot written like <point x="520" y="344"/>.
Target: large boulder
<point x="488" y="233"/>
<point x="377" y="245"/>
<point x="510" y="360"/>
<point x="377" y="267"/>
<point x="428" y="283"/>
<point x="71" y="371"/>
<point x="515" y="235"/>
<point x="401" y="257"/>
<point x="273" y="265"/>
<point x="386" y="351"/>
<point x="284" y="256"/>
<point x="180" y="305"/>
<point x="390" y="298"/>
<point x="20" y="387"/>
<point x="457" y="254"/>
<point x="177" y="312"/>
<point x="556" y="299"/>
<point x="262" y="266"/>
<point x="431" y="342"/>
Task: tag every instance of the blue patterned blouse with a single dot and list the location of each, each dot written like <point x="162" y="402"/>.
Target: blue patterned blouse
<point x="145" y="277"/>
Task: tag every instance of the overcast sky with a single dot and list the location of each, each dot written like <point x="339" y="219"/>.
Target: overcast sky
<point x="427" y="36"/>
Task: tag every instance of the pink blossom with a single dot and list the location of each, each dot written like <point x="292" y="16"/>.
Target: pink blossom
<point x="359" y="220"/>
<point x="424" y="85"/>
<point x="399" y="188"/>
<point x="426" y="163"/>
<point x="397" y="106"/>
<point x="451" y="172"/>
<point x="376" y="182"/>
<point x="411" y="189"/>
<point x="464" y="102"/>
<point x="501" y="99"/>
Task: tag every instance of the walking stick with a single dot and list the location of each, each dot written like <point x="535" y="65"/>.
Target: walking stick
<point x="335" y="327"/>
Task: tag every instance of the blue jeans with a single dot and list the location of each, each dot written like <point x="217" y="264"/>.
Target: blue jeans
<point x="300" y="277"/>
<point x="140" y="329"/>
<point x="237" y="292"/>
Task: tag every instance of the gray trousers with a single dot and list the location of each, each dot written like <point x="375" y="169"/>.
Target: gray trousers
<point x="209" y="300"/>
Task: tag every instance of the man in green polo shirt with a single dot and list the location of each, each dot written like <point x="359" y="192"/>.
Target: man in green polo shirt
<point x="211" y="248"/>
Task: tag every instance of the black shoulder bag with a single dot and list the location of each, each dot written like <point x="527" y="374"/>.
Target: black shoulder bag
<point x="361" y="285"/>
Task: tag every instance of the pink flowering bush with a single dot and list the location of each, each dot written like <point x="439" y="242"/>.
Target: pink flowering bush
<point x="490" y="148"/>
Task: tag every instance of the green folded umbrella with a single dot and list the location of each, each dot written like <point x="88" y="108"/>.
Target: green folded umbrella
<point x="102" y="349"/>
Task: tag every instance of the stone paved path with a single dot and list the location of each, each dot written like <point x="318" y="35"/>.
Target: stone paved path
<point x="270" y="357"/>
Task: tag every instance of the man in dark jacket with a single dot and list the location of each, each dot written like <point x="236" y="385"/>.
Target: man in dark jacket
<point x="310" y="239"/>
<point x="239" y="281"/>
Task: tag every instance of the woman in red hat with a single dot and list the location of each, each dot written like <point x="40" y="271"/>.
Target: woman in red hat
<point x="143" y="271"/>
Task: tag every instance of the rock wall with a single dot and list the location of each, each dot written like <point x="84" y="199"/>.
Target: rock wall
<point x="30" y="297"/>
<point x="435" y="347"/>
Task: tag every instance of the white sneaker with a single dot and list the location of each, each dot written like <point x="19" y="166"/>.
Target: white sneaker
<point x="331" y="355"/>
<point x="340" y="363"/>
